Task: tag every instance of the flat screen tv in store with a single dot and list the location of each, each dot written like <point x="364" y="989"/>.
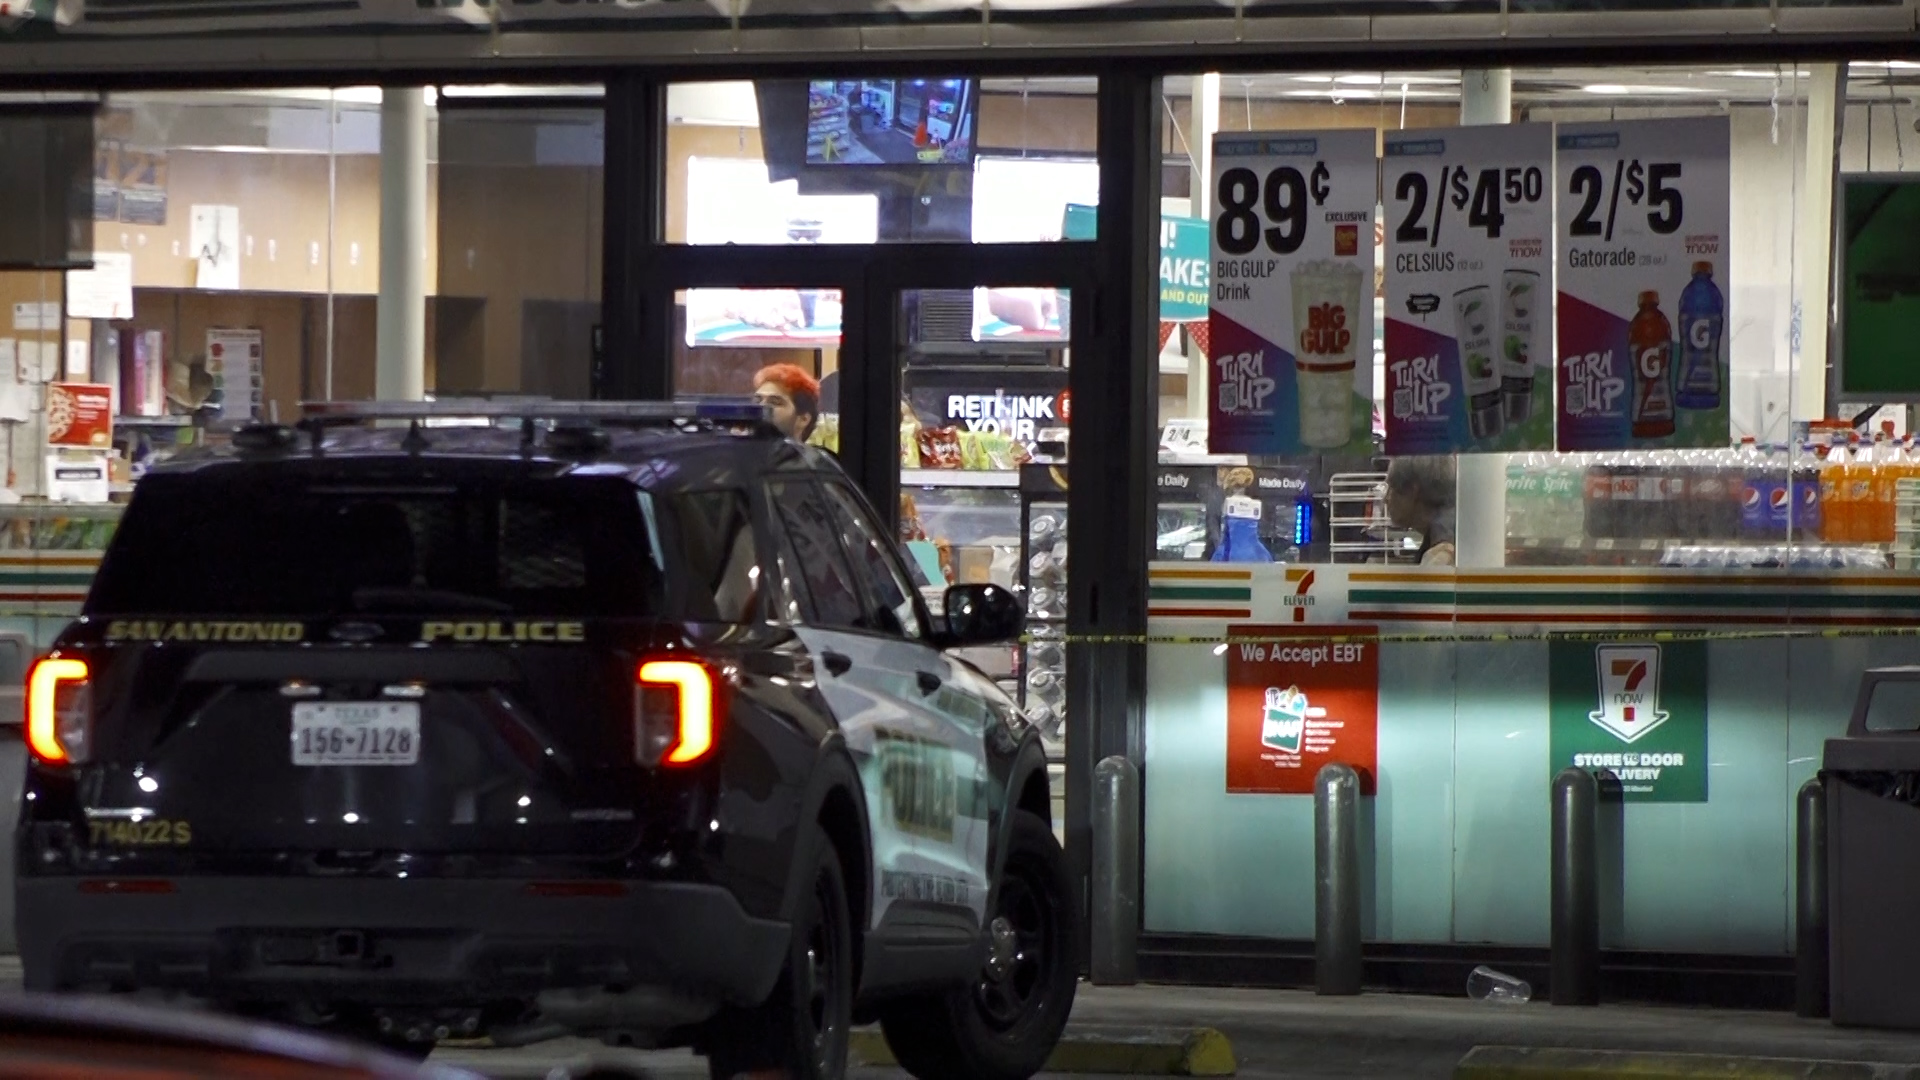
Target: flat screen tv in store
<point x="882" y="122"/>
<point x="1879" y="285"/>
<point x="47" y="188"/>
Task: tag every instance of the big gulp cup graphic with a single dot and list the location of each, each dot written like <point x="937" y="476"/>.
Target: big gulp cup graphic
<point x="1283" y="726"/>
<point x="1326" y="304"/>
<point x="1629" y="704"/>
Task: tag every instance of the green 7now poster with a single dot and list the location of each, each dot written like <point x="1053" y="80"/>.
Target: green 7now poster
<point x="1635" y="709"/>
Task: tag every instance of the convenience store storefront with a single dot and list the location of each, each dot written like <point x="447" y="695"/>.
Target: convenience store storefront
<point x="988" y="241"/>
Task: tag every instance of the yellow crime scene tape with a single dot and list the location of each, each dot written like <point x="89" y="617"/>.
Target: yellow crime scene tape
<point x="1339" y="637"/>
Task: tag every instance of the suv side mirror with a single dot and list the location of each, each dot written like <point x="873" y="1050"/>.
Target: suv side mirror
<point x="982" y="615"/>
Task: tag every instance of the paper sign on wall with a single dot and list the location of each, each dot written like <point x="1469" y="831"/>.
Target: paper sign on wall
<point x="1469" y="220"/>
<point x="37" y="316"/>
<point x="1296" y="703"/>
<point x="1290" y="325"/>
<point x="215" y="238"/>
<point x="235" y="362"/>
<point x="104" y="292"/>
<point x="1644" y="223"/>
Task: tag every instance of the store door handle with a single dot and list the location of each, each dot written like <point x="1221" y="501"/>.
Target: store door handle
<point x="929" y="683"/>
<point x="837" y="663"/>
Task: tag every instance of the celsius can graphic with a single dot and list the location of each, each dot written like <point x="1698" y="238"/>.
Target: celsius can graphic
<point x="1519" y="296"/>
<point x="1475" y="321"/>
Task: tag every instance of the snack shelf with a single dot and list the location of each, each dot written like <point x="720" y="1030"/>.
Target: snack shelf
<point x="959" y="478"/>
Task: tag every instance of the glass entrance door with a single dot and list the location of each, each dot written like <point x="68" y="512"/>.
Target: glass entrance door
<point x="985" y="418"/>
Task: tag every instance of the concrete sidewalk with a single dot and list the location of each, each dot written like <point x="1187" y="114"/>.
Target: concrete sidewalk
<point x="1297" y="1034"/>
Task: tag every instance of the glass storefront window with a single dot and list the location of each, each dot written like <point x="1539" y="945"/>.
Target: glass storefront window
<point x="235" y="237"/>
<point x="1688" y="606"/>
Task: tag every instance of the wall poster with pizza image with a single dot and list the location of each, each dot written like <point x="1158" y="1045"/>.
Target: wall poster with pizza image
<point x="80" y="415"/>
<point x="1298" y="701"/>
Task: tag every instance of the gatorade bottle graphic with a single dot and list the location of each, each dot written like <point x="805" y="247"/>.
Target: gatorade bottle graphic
<point x="1650" y="342"/>
<point x="1703" y="316"/>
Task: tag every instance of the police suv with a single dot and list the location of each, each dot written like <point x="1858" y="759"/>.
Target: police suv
<point x="451" y="720"/>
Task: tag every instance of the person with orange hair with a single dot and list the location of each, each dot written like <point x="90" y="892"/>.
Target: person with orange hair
<point x="792" y="394"/>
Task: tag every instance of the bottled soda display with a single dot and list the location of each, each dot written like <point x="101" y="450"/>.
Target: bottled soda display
<point x="1598" y="480"/>
<point x="1702" y="322"/>
<point x="1806" y="492"/>
<point x="1650" y="343"/>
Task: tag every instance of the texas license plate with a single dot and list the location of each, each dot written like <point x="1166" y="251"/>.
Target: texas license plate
<point x="356" y="733"/>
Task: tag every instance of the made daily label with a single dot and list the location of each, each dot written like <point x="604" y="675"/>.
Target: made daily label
<point x="1290" y="318"/>
<point x="1643" y="228"/>
<point x="1469" y="222"/>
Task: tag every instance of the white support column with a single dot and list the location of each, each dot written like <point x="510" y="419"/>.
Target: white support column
<point x="400" y="359"/>
<point x="1205" y="121"/>
<point x="1486" y="97"/>
<point x="1813" y="240"/>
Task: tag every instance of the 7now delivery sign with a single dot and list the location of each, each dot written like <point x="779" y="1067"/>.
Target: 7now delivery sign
<point x="1636" y="710"/>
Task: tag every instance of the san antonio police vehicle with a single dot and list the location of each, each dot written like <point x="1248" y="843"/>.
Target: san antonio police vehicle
<point x="431" y="721"/>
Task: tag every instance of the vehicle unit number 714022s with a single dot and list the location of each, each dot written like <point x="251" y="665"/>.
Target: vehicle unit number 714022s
<point x="356" y="733"/>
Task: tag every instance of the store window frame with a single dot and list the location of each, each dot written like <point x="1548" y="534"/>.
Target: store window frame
<point x="1114" y="334"/>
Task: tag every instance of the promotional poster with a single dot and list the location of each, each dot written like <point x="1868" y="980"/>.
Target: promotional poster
<point x="1469" y="223"/>
<point x="1297" y="703"/>
<point x="1290" y="323"/>
<point x="1636" y="710"/>
<point x="1643" y="224"/>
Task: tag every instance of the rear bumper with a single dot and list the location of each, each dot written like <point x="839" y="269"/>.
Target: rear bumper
<point x="428" y="941"/>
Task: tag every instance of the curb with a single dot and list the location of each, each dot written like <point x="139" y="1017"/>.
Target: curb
<point x="1542" y="1063"/>
<point x="1178" y="1052"/>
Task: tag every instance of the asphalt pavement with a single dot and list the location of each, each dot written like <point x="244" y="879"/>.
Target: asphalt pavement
<point x="1300" y="1036"/>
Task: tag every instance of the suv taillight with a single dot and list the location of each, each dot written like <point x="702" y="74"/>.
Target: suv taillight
<point x="675" y="705"/>
<point x="59" y="710"/>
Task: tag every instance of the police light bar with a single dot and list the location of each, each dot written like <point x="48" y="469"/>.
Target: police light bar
<point x="716" y="410"/>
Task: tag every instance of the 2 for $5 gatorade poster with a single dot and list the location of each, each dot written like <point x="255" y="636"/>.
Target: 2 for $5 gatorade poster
<point x="1643" y="224"/>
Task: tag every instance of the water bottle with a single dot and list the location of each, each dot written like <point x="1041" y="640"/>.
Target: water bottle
<point x="1708" y="496"/>
<point x="1486" y="984"/>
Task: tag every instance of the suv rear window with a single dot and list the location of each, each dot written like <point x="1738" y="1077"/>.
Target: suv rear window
<point x="288" y="545"/>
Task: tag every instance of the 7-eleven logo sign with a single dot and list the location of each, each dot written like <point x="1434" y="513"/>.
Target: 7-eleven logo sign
<point x="1629" y="690"/>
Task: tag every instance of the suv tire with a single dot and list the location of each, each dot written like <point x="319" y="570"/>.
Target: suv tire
<point x="801" y="1030"/>
<point x="1005" y="1025"/>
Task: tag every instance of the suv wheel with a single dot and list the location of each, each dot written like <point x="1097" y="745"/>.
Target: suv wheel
<point x="1005" y="1025"/>
<point x="800" y="1032"/>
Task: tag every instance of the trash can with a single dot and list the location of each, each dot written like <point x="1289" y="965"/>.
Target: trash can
<point x="1872" y="781"/>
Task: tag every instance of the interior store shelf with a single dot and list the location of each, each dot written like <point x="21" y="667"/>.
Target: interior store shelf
<point x="958" y="478"/>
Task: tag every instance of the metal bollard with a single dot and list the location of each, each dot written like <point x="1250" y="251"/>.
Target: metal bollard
<point x="1116" y="873"/>
<point x="1810" y="955"/>
<point x="1336" y="880"/>
<point x="1576" y="889"/>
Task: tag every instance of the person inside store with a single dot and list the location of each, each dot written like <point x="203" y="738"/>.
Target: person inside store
<point x="792" y="394"/>
<point x="1420" y="496"/>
